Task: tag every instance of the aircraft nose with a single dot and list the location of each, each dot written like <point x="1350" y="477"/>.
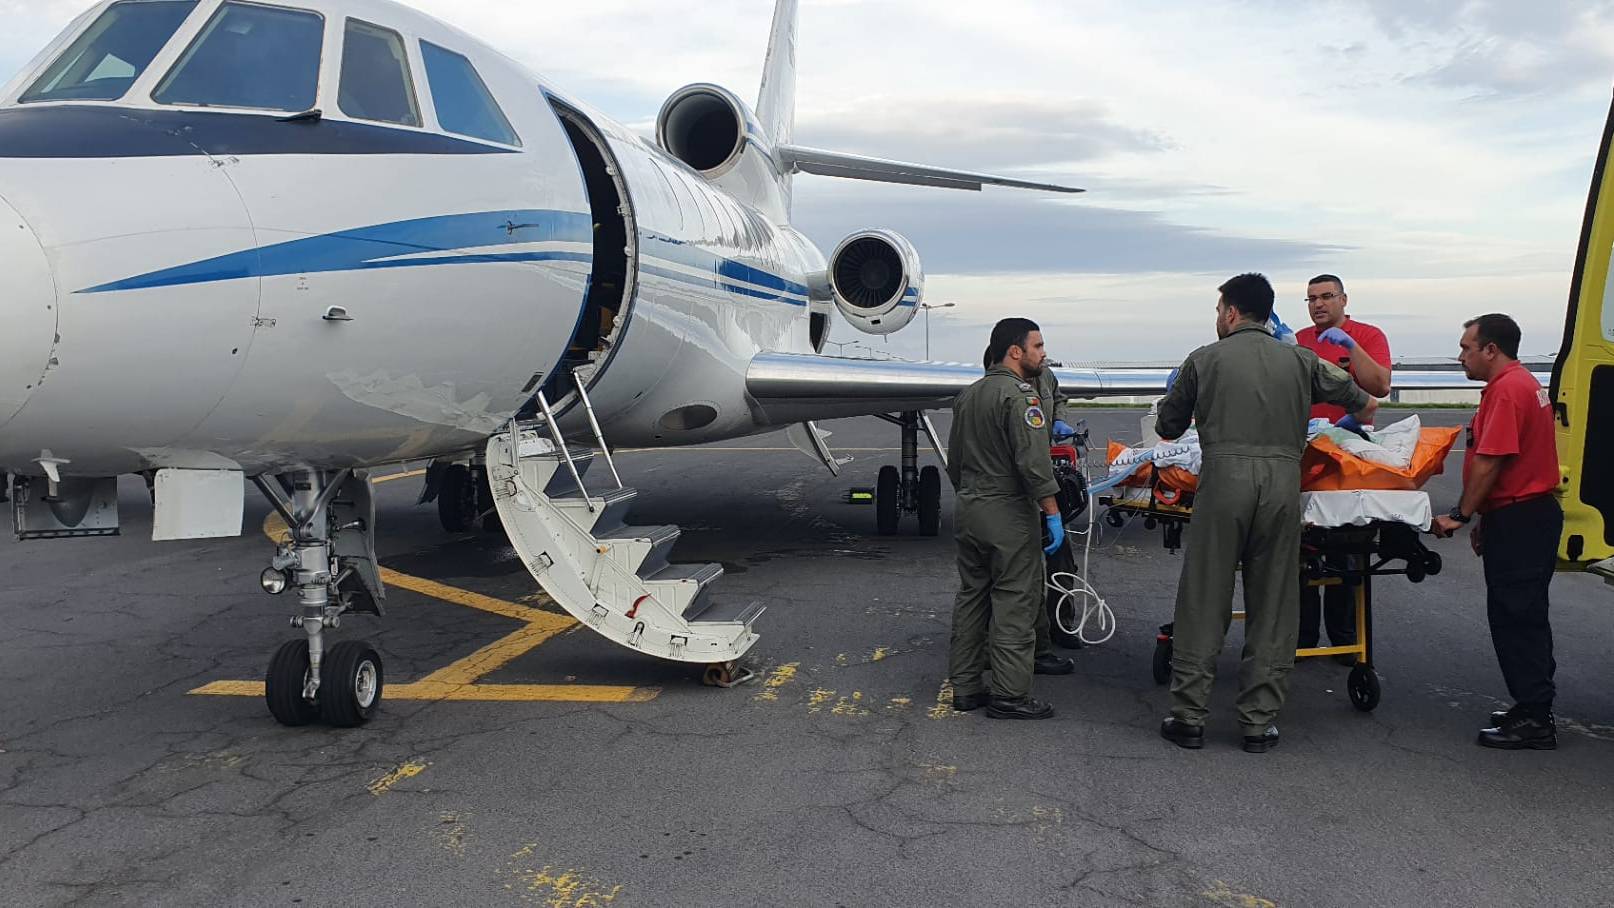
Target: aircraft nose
<point x="27" y="311"/>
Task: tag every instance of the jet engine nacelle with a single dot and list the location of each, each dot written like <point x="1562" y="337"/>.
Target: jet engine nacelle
<point x="877" y="281"/>
<point x="706" y="127"/>
<point x="710" y="129"/>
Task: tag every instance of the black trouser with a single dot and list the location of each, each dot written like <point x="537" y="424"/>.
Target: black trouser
<point x="1334" y="605"/>
<point x="1521" y="550"/>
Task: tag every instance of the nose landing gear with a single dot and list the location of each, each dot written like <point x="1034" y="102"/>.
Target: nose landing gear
<point x="329" y="558"/>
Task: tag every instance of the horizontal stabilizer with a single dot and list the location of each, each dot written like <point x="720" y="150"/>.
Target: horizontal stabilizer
<point x="797" y="159"/>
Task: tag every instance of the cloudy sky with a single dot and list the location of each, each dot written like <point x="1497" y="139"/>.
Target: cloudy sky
<point x="1435" y="153"/>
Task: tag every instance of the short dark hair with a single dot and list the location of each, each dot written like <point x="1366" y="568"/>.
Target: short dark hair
<point x="1250" y="294"/>
<point x="1497" y="329"/>
<point x="1010" y="332"/>
<point x="986" y="359"/>
<point x="1325" y="278"/>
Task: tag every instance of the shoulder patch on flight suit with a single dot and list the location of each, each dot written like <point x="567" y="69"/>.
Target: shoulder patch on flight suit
<point x="1034" y="401"/>
<point x="1024" y="386"/>
<point x="1034" y="417"/>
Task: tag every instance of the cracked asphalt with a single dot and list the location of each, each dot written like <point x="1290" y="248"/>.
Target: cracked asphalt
<point x="833" y="779"/>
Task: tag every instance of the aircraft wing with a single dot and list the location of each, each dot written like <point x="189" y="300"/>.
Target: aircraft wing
<point x="788" y="388"/>
<point x="797" y="159"/>
<point x="797" y="387"/>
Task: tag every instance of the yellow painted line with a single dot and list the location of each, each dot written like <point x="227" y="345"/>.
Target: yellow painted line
<point x="1220" y="893"/>
<point x="457" y="596"/>
<point x="407" y="771"/>
<point x="434" y="692"/>
<point x="390" y="477"/>
<point x="497" y="654"/>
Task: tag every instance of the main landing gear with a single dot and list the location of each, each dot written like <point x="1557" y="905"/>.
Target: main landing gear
<point x="329" y="560"/>
<point x="910" y="490"/>
<point x="464" y="498"/>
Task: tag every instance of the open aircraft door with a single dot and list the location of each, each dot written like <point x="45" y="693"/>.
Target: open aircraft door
<point x="1583" y="385"/>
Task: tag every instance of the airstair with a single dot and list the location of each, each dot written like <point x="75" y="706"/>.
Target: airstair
<point x="612" y="577"/>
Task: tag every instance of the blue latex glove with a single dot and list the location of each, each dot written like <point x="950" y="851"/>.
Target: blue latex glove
<point x="1062" y="429"/>
<point x="1172" y="378"/>
<point x="1349" y="424"/>
<point x="1056" y="529"/>
<point x="1279" y="329"/>
<point x="1338" y="336"/>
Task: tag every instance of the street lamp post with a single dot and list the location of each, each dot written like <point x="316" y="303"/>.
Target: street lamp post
<point x="927" y="307"/>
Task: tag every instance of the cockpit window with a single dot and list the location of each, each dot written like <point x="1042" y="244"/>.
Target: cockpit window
<point x="375" y="76"/>
<point x="111" y="53"/>
<point x="262" y="57"/>
<point x="464" y="104"/>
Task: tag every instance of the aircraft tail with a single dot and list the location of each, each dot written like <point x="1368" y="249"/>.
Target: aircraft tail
<point x="776" y="102"/>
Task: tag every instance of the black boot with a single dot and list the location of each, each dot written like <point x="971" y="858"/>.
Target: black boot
<point x="967" y="702"/>
<point x="1180" y="733"/>
<point x="1521" y="732"/>
<point x="1018" y="708"/>
<point x="1263" y="742"/>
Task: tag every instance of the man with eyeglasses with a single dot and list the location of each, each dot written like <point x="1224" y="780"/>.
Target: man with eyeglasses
<point x="1510" y="472"/>
<point x="1364" y="352"/>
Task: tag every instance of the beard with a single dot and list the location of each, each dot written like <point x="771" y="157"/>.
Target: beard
<point x="1030" y="370"/>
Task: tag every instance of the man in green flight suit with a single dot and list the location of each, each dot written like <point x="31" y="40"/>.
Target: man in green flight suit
<point x="1054" y="405"/>
<point x="997" y="458"/>
<point x="1250" y="395"/>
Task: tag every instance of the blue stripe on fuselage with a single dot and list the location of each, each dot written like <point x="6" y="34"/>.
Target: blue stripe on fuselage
<point x="392" y="245"/>
<point x="366" y="248"/>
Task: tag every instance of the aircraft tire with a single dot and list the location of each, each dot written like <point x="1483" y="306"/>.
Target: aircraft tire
<point x="456" y="499"/>
<point x="283" y="685"/>
<point x="929" y="501"/>
<point x="887" y="501"/>
<point x="350" y="683"/>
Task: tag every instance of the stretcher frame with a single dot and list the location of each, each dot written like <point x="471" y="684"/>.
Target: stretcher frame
<point x="1364" y="550"/>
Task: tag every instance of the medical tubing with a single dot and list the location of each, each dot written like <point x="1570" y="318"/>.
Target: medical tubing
<point x="1070" y="586"/>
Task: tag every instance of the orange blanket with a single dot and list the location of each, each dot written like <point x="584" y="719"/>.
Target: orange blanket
<point x="1326" y="467"/>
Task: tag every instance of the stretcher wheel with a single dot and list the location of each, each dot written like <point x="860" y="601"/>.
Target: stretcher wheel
<point x="929" y="501"/>
<point x="887" y="501"/>
<point x="1416" y="571"/>
<point x="1432" y="563"/>
<point x="1162" y="661"/>
<point x="1363" y="687"/>
<point x="1114" y="518"/>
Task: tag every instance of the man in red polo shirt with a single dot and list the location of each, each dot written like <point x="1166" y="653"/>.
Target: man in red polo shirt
<point x="1510" y="472"/>
<point x="1364" y="352"/>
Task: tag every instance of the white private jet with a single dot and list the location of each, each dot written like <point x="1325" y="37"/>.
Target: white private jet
<point x="292" y="242"/>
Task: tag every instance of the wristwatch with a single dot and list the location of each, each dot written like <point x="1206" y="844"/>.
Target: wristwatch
<point x="1457" y="514"/>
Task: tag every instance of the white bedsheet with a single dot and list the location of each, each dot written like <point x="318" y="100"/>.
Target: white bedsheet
<point x="1363" y="506"/>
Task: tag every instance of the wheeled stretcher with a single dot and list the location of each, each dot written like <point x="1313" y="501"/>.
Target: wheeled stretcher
<point x="1348" y="538"/>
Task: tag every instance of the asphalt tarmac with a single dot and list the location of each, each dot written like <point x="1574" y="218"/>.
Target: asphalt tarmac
<point x="839" y="777"/>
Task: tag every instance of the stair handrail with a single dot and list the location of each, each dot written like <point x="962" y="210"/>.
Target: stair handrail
<point x="565" y="453"/>
<point x="599" y="434"/>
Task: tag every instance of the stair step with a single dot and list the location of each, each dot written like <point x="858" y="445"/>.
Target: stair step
<point x="661" y="539"/>
<point x="707" y="609"/>
<point x="562" y="483"/>
<point x="700" y="573"/>
<point x="611" y="508"/>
